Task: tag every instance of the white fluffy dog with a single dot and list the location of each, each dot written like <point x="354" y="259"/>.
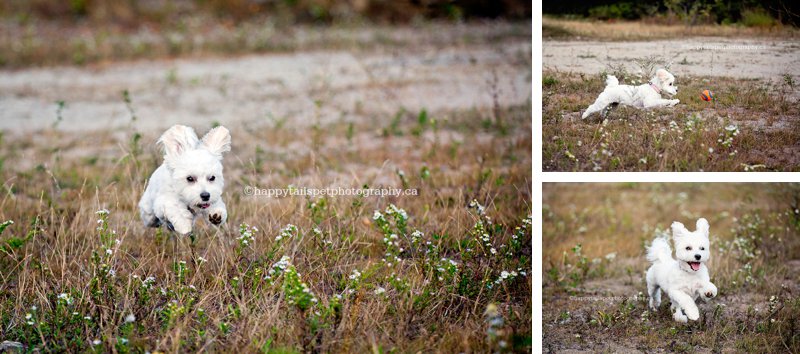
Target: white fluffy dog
<point x="683" y="279"/>
<point x="189" y="182"/>
<point x="642" y="96"/>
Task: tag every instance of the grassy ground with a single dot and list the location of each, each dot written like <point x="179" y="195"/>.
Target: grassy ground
<point x="41" y="43"/>
<point x="556" y="28"/>
<point x="73" y="279"/>
<point x="751" y="126"/>
<point x="594" y="291"/>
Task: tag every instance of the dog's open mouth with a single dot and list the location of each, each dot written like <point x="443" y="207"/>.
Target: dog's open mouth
<point x="203" y="205"/>
<point x="695" y="265"/>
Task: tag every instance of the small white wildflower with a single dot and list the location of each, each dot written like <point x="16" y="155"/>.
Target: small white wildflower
<point x="494" y="251"/>
<point x="130" y="318"/>
<point x="380" y="290"/>
<point x="96" y="342"/>
<point x="66" y="298"/>
<point x="28" y="316"/>
<point x="474" y="204"/>
<point x="504" y="274"/>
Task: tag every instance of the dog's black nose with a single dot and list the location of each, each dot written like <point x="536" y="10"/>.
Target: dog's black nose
<point x="697" y="256"/>
<point x="204" y="196"/>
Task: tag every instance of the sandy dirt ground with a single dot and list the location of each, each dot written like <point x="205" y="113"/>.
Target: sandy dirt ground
<point x="574" y="336"/>
<point x="740" y="58"/>
<point x="299" y="88"/>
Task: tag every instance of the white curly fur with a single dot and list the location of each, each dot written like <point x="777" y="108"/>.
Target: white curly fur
<point x="189" y="183"/>
<point x="684" y="278"/>
<point x="642" y="96"/>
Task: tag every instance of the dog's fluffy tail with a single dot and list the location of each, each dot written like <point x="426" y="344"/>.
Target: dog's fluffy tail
<point x="611" y="80"/>
<point x="659" y="251"/>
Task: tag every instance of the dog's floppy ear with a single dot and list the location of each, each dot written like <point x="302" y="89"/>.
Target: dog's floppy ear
<point x="702" y="225"/>
<point x="178" y="140"/>
<point x="662" y="75"/>
<point x="678" y="230"/>
<point x="217" y="141"/>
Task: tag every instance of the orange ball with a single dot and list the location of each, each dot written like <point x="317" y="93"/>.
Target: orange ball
<point x="707" y="95"/>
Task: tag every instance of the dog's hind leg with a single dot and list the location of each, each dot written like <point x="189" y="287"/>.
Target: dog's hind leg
<point x="599" y="104"/>
<point x="147" y="215"/>
<point x="654" y="291"/>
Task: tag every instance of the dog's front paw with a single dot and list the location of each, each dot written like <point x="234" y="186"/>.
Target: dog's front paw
<point x="215" y="218"/>
<point x="675" y="101"/>
<point x="182" y="227"/>
<point x="692" y="313"/>
<point x="710" y="291"/>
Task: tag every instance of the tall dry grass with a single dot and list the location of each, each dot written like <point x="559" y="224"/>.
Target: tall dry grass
<point x="594" y="239"/>
<point x="641" y="30"/>
<point x="749" y="127"/>
<point x="75" y="280"/>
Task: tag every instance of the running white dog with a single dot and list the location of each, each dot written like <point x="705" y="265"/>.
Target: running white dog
<point x="189" y="182"/>
<point x="642" y="96"/>
<point x="683" y="279"/>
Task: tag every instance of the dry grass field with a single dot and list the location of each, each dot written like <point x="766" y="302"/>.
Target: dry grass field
<point x="444" y="271"/>
<point x="594" y="238"/>
<point x="753" y="126"/>
<point x="638" y="30"/>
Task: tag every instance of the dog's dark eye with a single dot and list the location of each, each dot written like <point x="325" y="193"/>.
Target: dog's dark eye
<point x="212" y="178"/>
<point x="190" y="179"/>
<point x="688" y="248"/>
<point x="670" y="84"/>
<point x="702" y="248"/>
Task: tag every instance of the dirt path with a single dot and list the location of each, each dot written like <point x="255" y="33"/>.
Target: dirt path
<point x="297" y="88"/>
<point x="568" y="318"/>
<point x="741" y="58"/>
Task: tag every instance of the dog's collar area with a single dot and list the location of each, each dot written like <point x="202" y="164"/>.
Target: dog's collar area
<point x="658" y="90"/>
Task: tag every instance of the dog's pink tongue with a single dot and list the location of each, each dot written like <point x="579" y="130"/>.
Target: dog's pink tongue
<point x="695" y="266"/>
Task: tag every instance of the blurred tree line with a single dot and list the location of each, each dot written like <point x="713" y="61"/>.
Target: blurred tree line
<point x="134" y="12"/>
<point x="747" y="12"/>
